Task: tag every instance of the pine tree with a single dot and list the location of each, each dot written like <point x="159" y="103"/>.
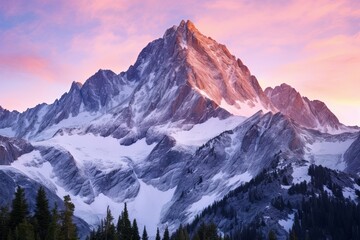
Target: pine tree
<point x="125" y="226"/>
<point x="196" y="237"/>
<point x="157" y="234"/>
<point x="145" y="235"/>
<point x="25" y="231"/>
<point x="108" y="221"/>
<point x="42" y="214"/>
<point x="4" y="222"/>
<point x="109" y="228"/>
<point x="135" y="231"/>
<point x="68" y="228"/>
<point x="54" y="227"/>
<point x="181" y="234"/>
<point x="19" y="210"/>
<point x="271" y="235"/>
<point x="119" y="227"/>
<point x="166" y="234"/>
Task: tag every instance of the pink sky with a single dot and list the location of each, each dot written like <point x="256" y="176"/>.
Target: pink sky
<point x="312" y="45"/>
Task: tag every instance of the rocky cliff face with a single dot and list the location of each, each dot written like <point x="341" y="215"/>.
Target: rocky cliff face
<point x="312" y="114"/>
<point x="12" y="148"/>
<point x="352" y="157"/>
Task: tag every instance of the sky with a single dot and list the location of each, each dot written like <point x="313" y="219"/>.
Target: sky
<point x="313" y="46"/>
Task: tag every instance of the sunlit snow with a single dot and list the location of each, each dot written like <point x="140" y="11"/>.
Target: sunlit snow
<point x="247" y="108"/>
<point x="201" y="133"/>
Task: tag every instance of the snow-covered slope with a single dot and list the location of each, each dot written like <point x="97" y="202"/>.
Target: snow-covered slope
<point x="189" y="175"/>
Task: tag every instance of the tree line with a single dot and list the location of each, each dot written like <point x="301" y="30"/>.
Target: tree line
<point x="125" y="230"/>
<point x="323" y="215"/>
<point x="43" y="224"/>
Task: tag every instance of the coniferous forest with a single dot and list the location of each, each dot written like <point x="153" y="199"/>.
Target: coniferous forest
<point x="319" y="215"/>
<point x="43" y="224"/>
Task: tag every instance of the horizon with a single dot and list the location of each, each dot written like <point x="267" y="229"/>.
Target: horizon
<point x="46" y="47"/>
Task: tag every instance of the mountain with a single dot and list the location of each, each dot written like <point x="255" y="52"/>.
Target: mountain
<point x="181" y="71"/>
<point x="312" y="114"/>
<point x="185" y="126"/>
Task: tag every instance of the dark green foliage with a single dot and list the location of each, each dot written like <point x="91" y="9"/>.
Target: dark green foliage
<point x="271" y="235"/>
<point x="68" y="228"/>
<point x="125" y="225"/>
<point x="299" y="188"/>
<point x="124" y="230"/>
<point x="248" y="232"/>
<point x="119" y="226"/>
<point x="278" y="203"/>
<point x="54" y="226"/>
<point x="42" y="214"/>
<point x="321" y="176"/>
<point x="326" y="217"/>
<point x="145" y="235"/>
<point x="157" y="234"/>
<point x="19" y="211"/>
<point x="181" y="234"/>
<point x="135" y="231"/>
<point x="109" y="227"/>
<point x="166" y="234"/>
<point x="4" y="222"/>
<point x="19" y="225"/>
<point x="254" y="194"/>
<point x="25" y="231"/>
<point x="207" y="232"/>
<point x="106" y="230"/>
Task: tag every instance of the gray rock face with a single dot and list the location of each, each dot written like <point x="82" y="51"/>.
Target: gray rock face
<point x="352" y="157"/>
<point x="12" y="148"/>
<point x="232" y="158"/>
<point x="73" y="179"/>
<point x="164" y="166"/>
<point x="7" y="118"/>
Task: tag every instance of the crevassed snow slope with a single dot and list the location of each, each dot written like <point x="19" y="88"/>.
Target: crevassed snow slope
<point x="104" y="152"/>
<point x="328" y="153"/>
<point x="203" y="132"/>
